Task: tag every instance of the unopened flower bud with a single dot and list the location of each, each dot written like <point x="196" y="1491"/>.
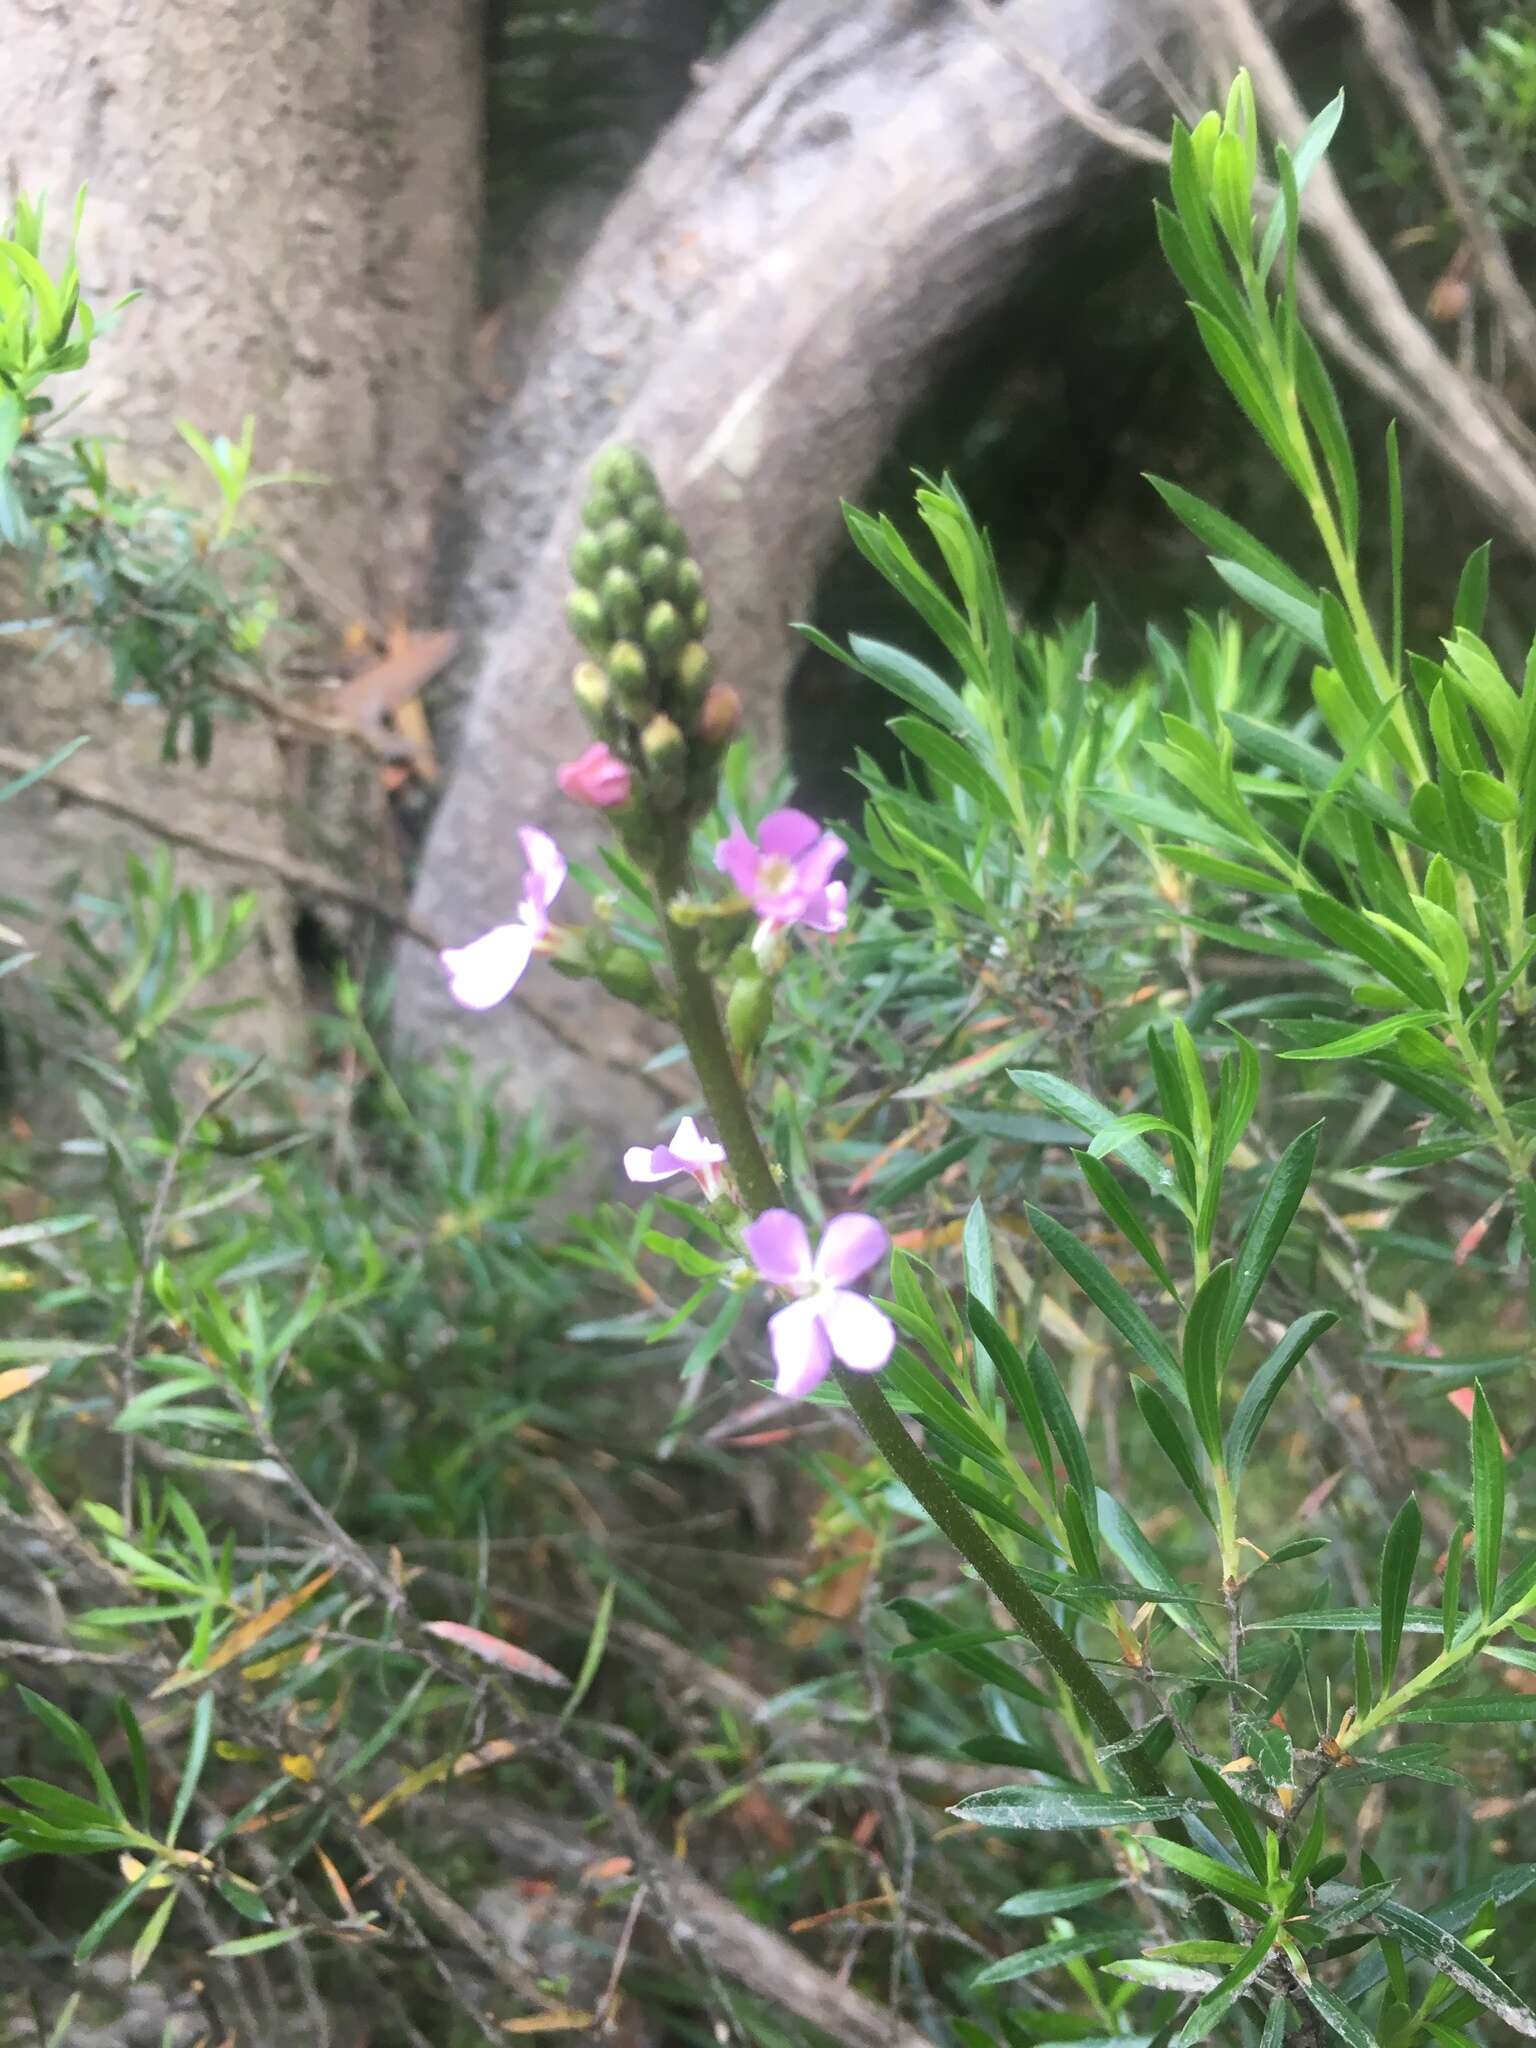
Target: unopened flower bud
<point x="587" y="560"/>
<point x="627" y="974"/>
<point x="585" y="616"/>
<point x="600" y="507"/>
<point x="620" y="544"/>
<point x="665" y="752"/>
<point x="655" y="570"/>
<point x="590" y="687"/>
<point x="626" y="473"/>
<point x="672" y="536"/>
<point x="748" y="1013"/>
<point x="719" y="718"/>
<point x="693" y="671"/>
<point x="698" y="618"/>
<point x="623" y="606"/>
<point x="650" y="517"/>
<point x="689" y="581"/>
<point x="630" y="677"/>
<point x="664" y="631"/>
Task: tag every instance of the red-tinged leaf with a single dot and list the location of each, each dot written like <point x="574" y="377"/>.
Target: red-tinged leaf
<point x="495" y="1651"/>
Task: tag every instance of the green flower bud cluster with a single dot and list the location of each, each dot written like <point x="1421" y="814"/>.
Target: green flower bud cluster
<point x="639" y="610"/>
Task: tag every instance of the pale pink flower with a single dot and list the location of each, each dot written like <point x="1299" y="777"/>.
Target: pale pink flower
<point x="827" y="1319"/>
<point x="785" y="874"/>
<point x="597" y="777"/>
<point x="485" y="972"/>
<point x="689" y="1152"/>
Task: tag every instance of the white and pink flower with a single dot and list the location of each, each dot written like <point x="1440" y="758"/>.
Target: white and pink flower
<point x="786" y="876"/>
<point x="689" y="1152"/>
<point x="485" y="972"/>
<point x="827" y="1319"/>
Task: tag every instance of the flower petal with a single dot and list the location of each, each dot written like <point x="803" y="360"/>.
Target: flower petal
<point x="850" y="1246"/>
<point x="738" y="858"/>
<point x="814" y="868"/>
<point x="789" y="834"/>
<point x="692" y="1150"/>
<point x="779" y="1248"/>
<point x="485" y="972"/>
<point x="827" y="910"/>
<point x="801" y="1351"/>
<point x="646" y="1163"/>
<point x="861" y="1334"/>
<point x="546" y="867"/>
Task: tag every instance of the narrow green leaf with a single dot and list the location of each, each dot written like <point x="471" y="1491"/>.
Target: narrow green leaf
<point x="1013" y="1807"/>
<point x="1057" y="1898"/>
<point x="1464" y="1967"/>
<point x="1204" y="1870"/>
<point x="1487" y="1499"/>
<point x="1110" y="1298"/>
<point x="1263" y="1389"/>
<point x="1204" y="1357"/>
<point x="1168" y="1433"/>
<point x="1450" y="1595"/>
<point x="1051" y="1955"/>
<point x="1349" y="2026"/>
<point x="1014" y="1374"/>
<point x="149" y="1937"/>
<point x="1277" y="1205"/>
<point x="1216" y="2004"/>
<point x="192" y="1770"/>
<point x="1112" y="1199"/>
<point x="1399" y="1561"/>
<point x="1062" y="1423"/>
<point x="597" y="1642"/>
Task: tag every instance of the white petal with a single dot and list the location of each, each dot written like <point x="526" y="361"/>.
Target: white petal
<point x="642" y="1163"/>
<point x="485" y="972"/>
<point x="800" y="1349"/>
<point x="862" y="1335"/>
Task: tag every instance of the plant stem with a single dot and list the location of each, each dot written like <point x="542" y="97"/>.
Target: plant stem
<point x="699" y="1018"/>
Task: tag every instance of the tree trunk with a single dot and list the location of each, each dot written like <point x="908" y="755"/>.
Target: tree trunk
<point x="293" y="189"/>
<point x="850" y="190"/>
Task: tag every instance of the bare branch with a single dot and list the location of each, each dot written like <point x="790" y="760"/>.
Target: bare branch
<point x="1391" y="48"/>
<point x="1471" y="435"/>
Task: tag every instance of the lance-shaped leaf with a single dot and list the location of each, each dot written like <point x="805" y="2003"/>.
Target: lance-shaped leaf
<point x="1262" y="1391"/>
<point x="1487" y="1498"/>
<point x="1110" y="1298"/>
<point x="1399" y="1558"/>
<point x="1204" y="1358"/>
<point x="1277" y="1205"/>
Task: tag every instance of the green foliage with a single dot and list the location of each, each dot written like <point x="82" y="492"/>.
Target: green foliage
<point x="1181" y="1035"/>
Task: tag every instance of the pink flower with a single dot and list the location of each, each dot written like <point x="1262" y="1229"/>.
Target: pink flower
<point x="689" y="1152"/>
<point x="826" y="1319"/>
<point x="598" y="777"/>
<point x="786" y="875"/>
<point x="485" y="972"/>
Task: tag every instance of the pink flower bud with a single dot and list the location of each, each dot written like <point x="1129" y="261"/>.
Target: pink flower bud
<point x="598" y="777"/>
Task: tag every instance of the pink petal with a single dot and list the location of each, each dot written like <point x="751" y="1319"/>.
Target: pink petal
<point x="738" y="857"/>
<point x="596" y="777"/>
<point x="827" y="911"/>
<point x="485" y="972"/>
<point x="800" y="1349"/>
<point x="779" y="1248"/>
<point x="788" y="834"/>
<point x="648" y="1164"/>
<point x="546" y="868"/>
<point x="861" y="1334"/>
<point x="814" y="868"/>
<point x="851" y="1245"/>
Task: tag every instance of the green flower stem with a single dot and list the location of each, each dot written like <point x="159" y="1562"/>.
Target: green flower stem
<point x="698" y="1016"/>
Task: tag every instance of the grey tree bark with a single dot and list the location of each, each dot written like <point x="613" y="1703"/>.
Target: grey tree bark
<point x="293" y="189"/>
<point x="767" y="299"/>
